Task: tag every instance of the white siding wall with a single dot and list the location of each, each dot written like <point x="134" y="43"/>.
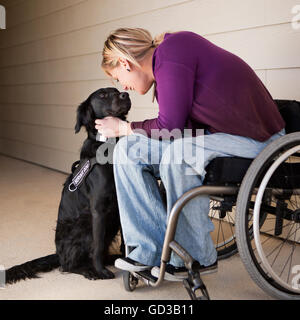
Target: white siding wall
<point x="50" y="60"/>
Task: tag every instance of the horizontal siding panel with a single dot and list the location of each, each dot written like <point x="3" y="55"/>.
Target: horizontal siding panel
<point x="77" y="43"/>
<point x="34" y="9"/>
<point x="51" y="147"/>
<point x="72" y="93"/>
<point x="11" y="3"/>
<point x="51" y="158"/>
<point x="44" y="111"/>
<point x="212" y="17"/>
<point x="278" y="11"/>
<point x="279" y="47"/>
<point x="72" y="69"/>
<point x="83" y="15"/>
<point x="270" y="47"/>
<point x="53" y="138"/>
<point x="42" y="115"/>
<point x="47" y="115"/>
<point x="284" y="83"/>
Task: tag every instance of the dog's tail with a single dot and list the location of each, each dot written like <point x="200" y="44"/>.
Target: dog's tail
<point x="30" y="269"/>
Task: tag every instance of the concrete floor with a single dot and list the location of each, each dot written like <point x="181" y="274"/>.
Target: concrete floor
<point x="29" y="198"/>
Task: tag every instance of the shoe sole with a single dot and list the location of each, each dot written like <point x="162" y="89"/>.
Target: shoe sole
<point x="123" y="265"/>
<point x="155" y="271"/>
<point x="168" y="276"/>
<point x="209" y="271"/>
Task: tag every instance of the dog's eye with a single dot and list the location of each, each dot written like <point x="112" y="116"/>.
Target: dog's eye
<point x="103" y="95"/>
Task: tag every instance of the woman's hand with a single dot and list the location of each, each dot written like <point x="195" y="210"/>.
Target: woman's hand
<point x="111" y="127"/>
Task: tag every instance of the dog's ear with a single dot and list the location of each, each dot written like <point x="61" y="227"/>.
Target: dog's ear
<point x="84" y="115"/>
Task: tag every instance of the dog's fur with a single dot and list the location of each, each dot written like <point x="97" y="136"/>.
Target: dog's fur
<point x="88" y="219"/>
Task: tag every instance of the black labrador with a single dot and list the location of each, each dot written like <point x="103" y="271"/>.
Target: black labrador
<point x="88" y="216"/>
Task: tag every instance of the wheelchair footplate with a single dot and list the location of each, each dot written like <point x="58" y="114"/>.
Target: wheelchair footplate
<point x="193" y="283"/>
<point x="145" y="276"/>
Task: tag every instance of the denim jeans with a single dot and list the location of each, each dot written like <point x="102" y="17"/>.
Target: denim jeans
<point x="139" y="161"/>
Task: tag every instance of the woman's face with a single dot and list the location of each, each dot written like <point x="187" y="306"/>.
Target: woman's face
<point x="136" y="79"/>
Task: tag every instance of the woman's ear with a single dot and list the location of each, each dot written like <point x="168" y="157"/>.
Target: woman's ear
<point x="125" y="64"/>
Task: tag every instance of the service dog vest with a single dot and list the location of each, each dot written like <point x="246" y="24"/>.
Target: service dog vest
<point x="81" y="169"/>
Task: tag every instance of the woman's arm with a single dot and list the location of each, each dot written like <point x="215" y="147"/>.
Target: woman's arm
<point x="175" y="90"/>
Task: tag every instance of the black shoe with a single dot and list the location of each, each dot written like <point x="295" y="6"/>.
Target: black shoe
<point x="130" y="265"/>
<point x="179" y="273"/>
<point x="172" y="273"/>
<point x="208" y="269"/>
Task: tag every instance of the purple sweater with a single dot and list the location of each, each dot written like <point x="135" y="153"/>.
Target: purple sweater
<point x="200" y="85"/>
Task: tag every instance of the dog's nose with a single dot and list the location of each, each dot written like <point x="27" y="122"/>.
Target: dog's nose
<point x="124" y="95"/>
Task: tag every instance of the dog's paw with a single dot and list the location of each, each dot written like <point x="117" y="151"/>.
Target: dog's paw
<point x="90" y="274"/>
<point x="105" y="274"/>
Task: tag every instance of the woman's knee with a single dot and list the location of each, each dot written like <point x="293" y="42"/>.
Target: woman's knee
<point x="131" y="148"/>
<point x="185" y="155"/>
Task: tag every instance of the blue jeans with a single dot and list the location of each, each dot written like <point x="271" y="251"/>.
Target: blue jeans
<point x="139" y="161"/>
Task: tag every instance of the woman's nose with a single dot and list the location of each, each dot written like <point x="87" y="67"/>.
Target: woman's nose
<point x="123" y="95"/>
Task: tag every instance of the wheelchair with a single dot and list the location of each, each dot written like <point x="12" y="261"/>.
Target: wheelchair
<point x="255" y="207"/>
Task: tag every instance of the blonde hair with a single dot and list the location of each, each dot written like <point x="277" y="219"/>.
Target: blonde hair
<point x="131" y="44"/>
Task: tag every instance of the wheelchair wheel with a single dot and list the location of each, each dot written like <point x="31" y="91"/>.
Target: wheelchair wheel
<point x="130" y="281"/>
<point x="268" y="219"/>
<point x="223" y="218"/>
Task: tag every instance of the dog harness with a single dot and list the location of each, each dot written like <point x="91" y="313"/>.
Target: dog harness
<point x="82" y="168"/>
<point x="80" y="171"/>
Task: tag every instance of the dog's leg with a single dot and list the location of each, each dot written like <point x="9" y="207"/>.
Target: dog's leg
<point x="99" y="250"/>
<point x="122" y="245"/>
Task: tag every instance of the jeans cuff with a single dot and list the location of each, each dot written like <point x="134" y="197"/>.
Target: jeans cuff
<point x="146" y="258"/>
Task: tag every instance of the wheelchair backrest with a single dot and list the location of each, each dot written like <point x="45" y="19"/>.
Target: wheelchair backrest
<point x="290" y="112"/>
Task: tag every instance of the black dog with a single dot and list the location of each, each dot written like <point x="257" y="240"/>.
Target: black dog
<point x="88" y="217"/>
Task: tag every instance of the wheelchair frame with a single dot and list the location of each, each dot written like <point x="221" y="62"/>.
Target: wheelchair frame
<point x="194" y="283"/>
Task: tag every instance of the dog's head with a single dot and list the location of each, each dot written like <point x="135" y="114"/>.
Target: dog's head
<point x="100" y="104"/>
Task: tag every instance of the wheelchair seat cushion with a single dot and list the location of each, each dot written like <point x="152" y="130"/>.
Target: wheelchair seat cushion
<point x="226" y="170"/>
<point x="231" y="171"/>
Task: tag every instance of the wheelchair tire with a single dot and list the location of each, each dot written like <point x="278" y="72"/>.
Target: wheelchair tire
<point x="130" y="281"/>
<point x="245" y="235"/>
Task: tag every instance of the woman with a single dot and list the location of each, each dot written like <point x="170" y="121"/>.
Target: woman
<point x="197" y="85"/>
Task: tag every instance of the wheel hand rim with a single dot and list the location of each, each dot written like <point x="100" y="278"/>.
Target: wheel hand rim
<point x="256" y="215"/>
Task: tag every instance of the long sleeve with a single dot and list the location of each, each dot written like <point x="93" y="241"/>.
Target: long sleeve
<point x="201" y="85"/>
<point x="175" y="83"/>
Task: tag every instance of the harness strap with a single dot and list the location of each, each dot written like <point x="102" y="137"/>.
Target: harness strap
<point x="81" y="173"/>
